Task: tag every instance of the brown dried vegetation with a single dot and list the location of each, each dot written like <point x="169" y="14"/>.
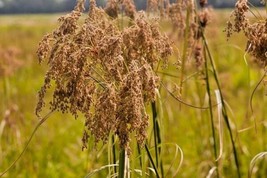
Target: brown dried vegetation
<point x="105" y="73"/>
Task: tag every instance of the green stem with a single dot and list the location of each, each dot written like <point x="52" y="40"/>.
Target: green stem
<point x="122" y="164"/>
<point x="157" y="138"/>
<point x="254" y="90"/>
<point x="210" y="109"/>
<point x="114" y="153"/>
<point x="139" y="153"/>
<point x="151" y="160"/>
<point x="224" y="111"/>
<point x="154" y="113"/>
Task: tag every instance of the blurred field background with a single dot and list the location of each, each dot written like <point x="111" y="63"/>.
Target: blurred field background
<point x="55" y="150"/>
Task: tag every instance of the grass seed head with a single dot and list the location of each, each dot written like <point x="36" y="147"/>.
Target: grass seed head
<point x="112" y="8"/>
<point x="9" y="60"/>
<point x="198" y="55"/>
<point x="103" y="72"/>
<point x="152" y="5"/>
<point x="202" y="3"/>
<point x="256" y="32"/>
<point x="129" y="8"/>
<point x="240" y="20"/>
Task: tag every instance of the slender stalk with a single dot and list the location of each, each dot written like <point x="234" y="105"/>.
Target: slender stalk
<point x="159" y="149"/>
<point x="122" y="164"/>
<point x="154" y="113"/>
<point x="139" y="153"/>
<point x="254" y="90"/>
<point x="224" y="111"/>
<point x="114" y="153"/>
<point x="264" y="130"/>
<point x="143" y="160"/>
<point x="210" y="109"/>
<point x="151" y="160"/>
<point x="157" y="138"/>
<point x="187" y="104"/>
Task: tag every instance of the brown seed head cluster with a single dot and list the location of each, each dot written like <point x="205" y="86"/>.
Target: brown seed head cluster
<point x="202" y="3"/>
<point x="183" y="18"/>
<point x="198" y="55"/>
<point x="152" y="5"/>
<point x="240" y="20"/>
<point x="158" y="7"/>
<point x="113" y="8"/>
<point x="9" y="61"/>
<point x="256" y="33"/>
<point x="176" y="15"/>
<point x="103" y="72"/>
<point x="190" y="25"/>
<point x="129" y="8"/>
<point x="203" y="18"/>
<point x="257" y="42"/>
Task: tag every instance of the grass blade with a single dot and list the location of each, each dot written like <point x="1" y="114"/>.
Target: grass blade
<point x="210" y="105"/>
<point x="100" y="169"/>
<point x="253" y="162"/>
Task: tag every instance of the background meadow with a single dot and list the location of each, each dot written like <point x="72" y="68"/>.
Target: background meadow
<point x="186" y="132"/>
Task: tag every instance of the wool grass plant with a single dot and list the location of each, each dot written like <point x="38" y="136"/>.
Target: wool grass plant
<point x="104" y="72"/>
<point x="107" y="66"/>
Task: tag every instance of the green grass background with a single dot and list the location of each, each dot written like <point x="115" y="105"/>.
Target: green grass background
<point x="55" y="150"/>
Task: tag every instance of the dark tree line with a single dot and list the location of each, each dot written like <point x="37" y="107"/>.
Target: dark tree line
<point x="50" y="6"/>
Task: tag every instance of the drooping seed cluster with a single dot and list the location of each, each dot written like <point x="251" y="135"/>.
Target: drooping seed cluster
<point x="103" y="72"/>
<point x="203" y="18"/>
<point x="255" y="32"/>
